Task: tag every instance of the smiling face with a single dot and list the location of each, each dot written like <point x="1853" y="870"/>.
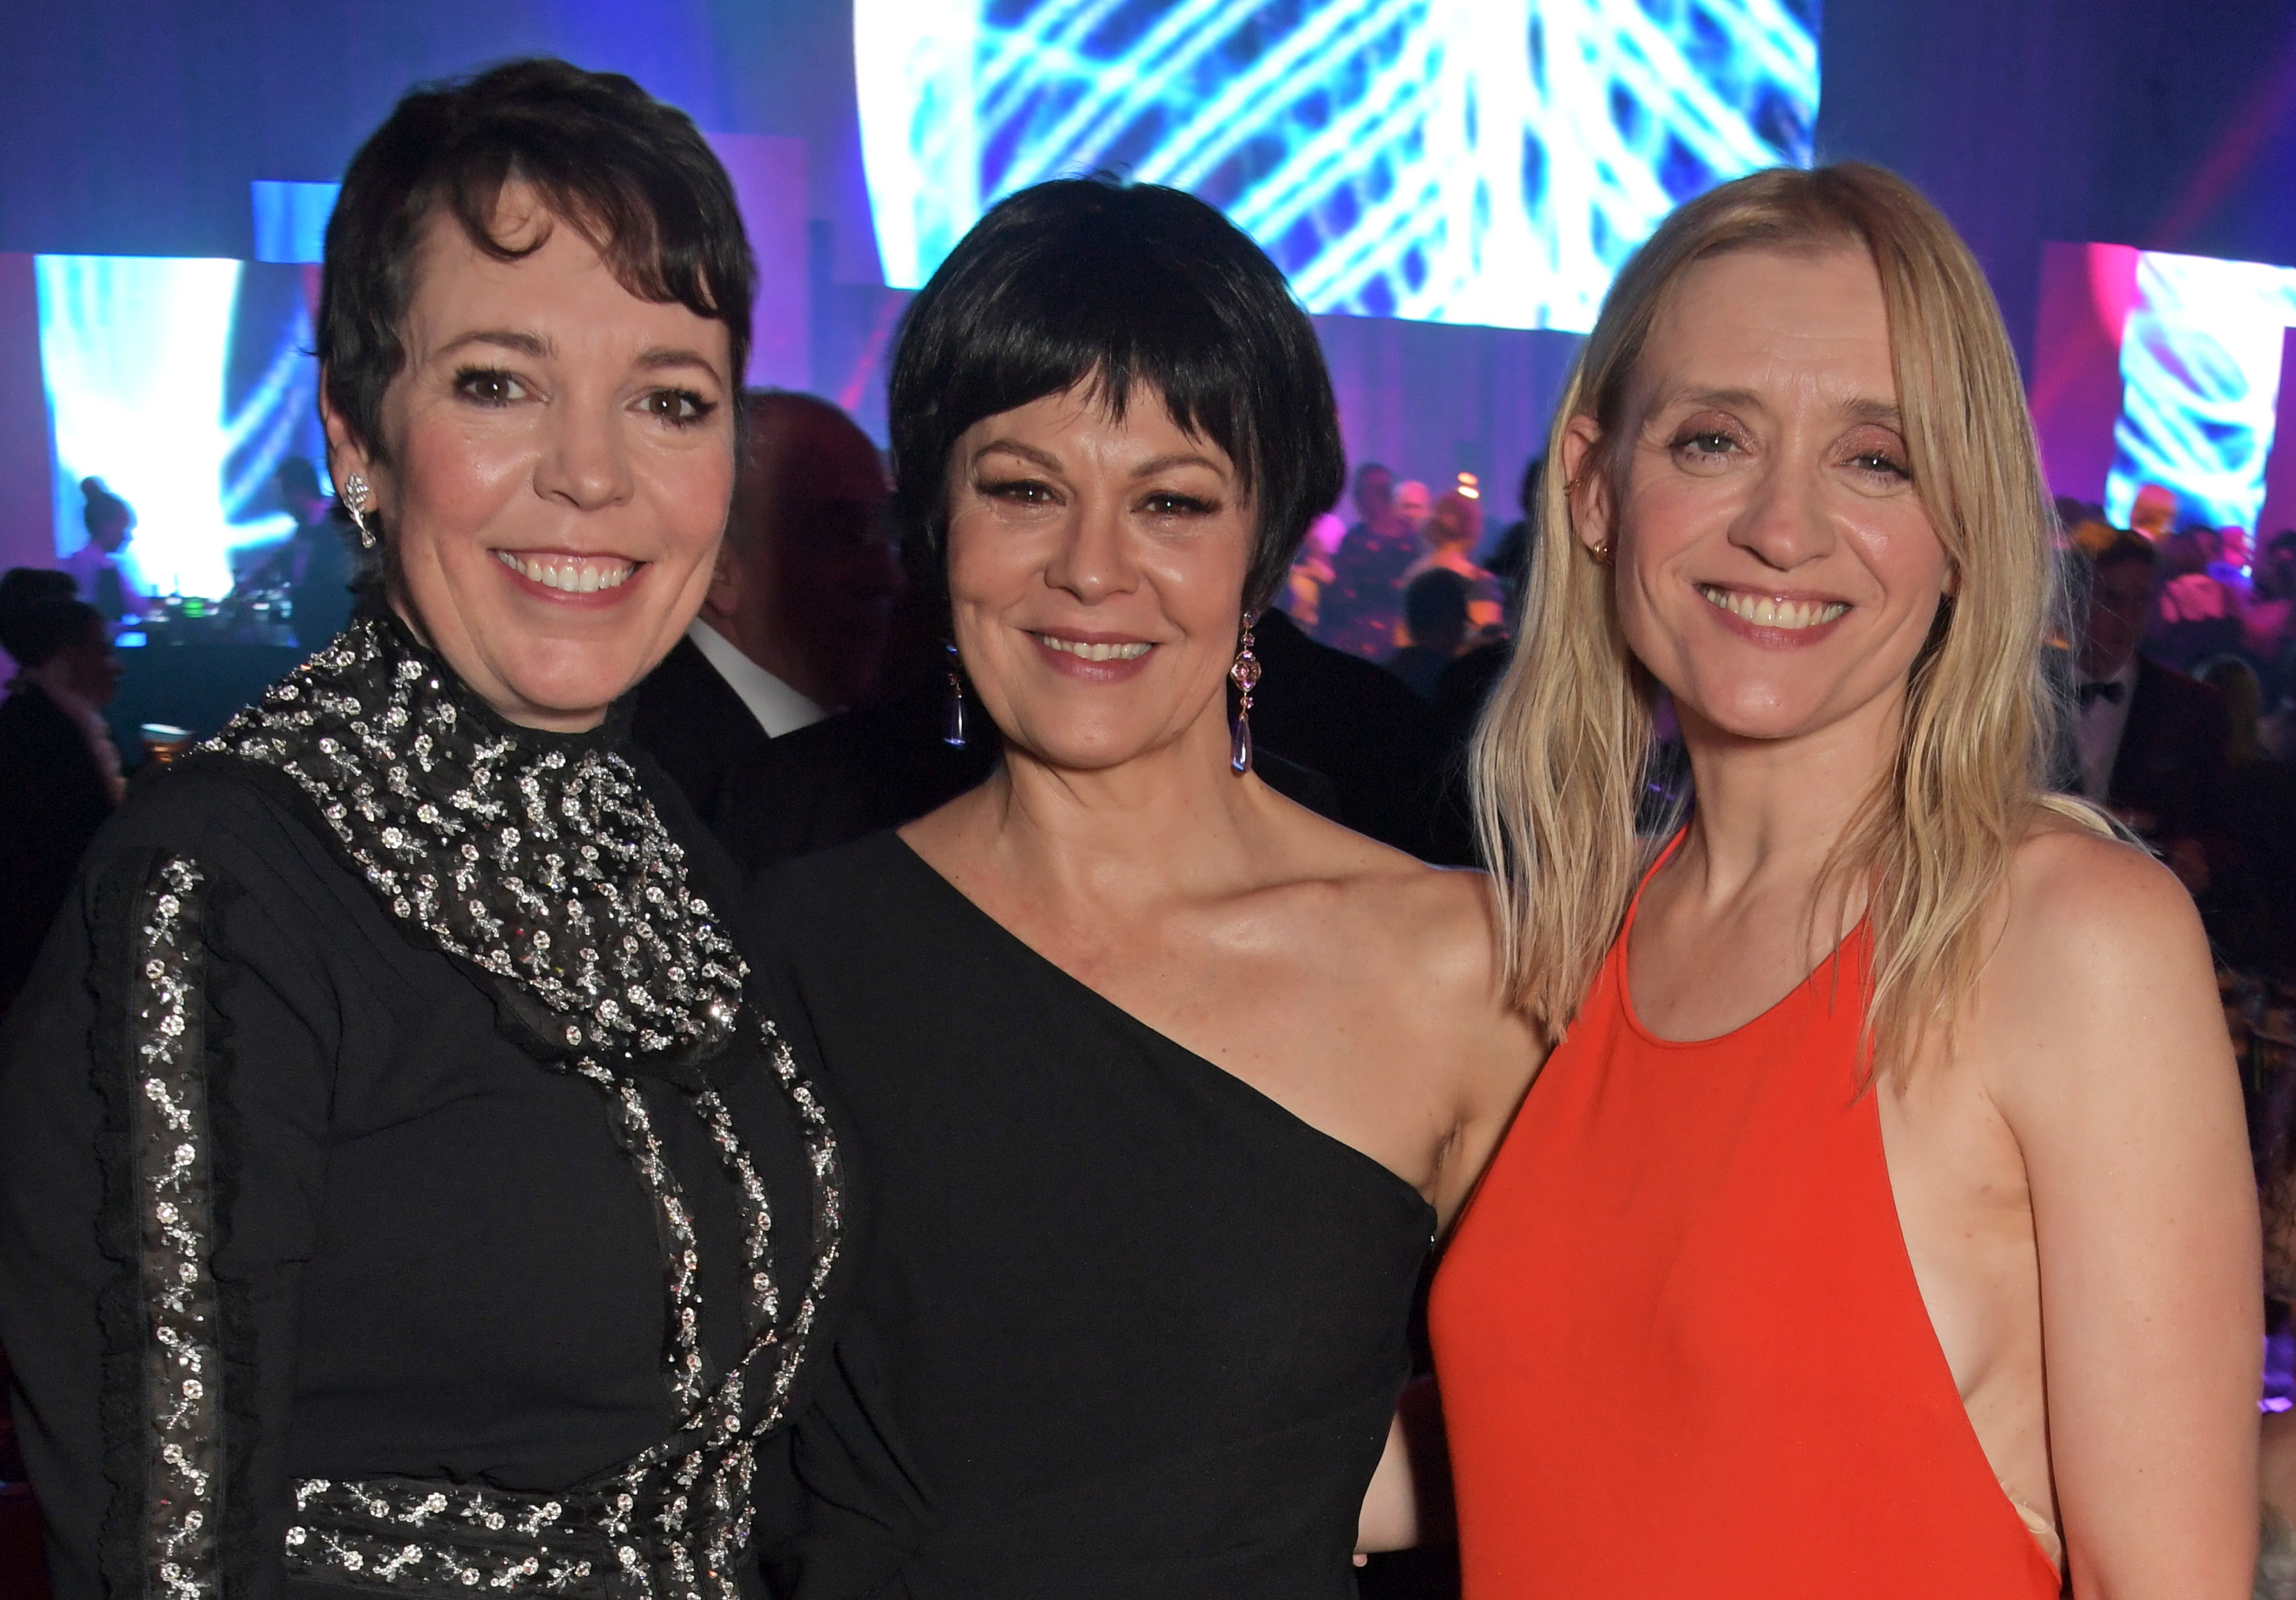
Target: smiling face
<point x="1774" y="568"/>
<point x="1096" y="575"/>
<point x="559" y="456"/>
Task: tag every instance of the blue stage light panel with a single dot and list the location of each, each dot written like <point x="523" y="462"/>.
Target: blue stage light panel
<point x="1488" y="162"/>
<point x="2200" y="368"/>
<point x="291" y="219"/>
<point x="180" y="383"/>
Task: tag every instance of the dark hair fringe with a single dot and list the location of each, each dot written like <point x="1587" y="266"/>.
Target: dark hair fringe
<point x="1090" y="281"/>
<point x="633" y="175"/>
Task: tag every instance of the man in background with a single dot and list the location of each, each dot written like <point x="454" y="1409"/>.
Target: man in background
<point x="794" y="625"/>
<point x="1435" y="610"/>
<point x="2149" y="741"/>
<point x="1415" y="503"/>
<point x="2153" y="513"/>
<point x="311" y="565"/>
<point x="1360" y="606"/>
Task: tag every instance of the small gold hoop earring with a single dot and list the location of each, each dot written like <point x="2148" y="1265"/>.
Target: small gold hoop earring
<point x="358" y="500"/>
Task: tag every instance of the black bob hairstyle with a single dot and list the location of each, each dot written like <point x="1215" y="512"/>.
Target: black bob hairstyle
<point x="1087" y="280"/>
<point x="632" y="174"/>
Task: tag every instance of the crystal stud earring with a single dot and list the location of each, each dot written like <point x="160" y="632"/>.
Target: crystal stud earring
<point x="358" y="500"/>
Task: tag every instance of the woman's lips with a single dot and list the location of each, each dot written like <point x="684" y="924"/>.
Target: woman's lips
<point x="567" y="579"/>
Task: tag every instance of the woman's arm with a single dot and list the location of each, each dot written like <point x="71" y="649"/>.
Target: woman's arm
<point x="161" y="1122"/>
<point x="2106" y="1050"/>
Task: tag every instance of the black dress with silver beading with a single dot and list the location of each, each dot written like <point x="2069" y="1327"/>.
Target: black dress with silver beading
<point x="306" y="1373"/>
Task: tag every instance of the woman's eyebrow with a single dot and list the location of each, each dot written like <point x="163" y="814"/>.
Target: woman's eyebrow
<point x="1164" y="463"/>
<point x="503" y="339"/>
<point x="1884" y="411"/>
<point x="668" y="356"/>
<point x="1014" y="446"/>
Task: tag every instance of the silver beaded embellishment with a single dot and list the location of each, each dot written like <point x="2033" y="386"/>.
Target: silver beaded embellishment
<point x="173" y="1163"/>
<point x="545" y="866"/>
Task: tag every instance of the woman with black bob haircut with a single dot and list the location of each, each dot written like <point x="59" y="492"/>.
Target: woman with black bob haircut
<point x="1165" y="1084"/>
<point x="391" y="1057"/>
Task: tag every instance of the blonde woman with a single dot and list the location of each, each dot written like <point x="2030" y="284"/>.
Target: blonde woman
<point x="1881" y="1223"/>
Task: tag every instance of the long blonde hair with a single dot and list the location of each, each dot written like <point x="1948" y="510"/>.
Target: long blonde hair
<point x="1559" y="760"/>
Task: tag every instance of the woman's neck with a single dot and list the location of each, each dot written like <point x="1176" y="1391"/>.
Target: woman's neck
<point x="1771" y="812"/>
<point x="1173" y="822"/>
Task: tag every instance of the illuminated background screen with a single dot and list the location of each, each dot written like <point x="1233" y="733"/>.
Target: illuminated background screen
<point x="182" y="384"/>
<point x="1486" y="161"/>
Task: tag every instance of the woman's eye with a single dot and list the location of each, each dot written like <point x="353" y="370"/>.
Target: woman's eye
<point x="1705" y="443"/>
<point x="681" y="407"/>
<point x="489" y="386"/>
<point x="1020" y="491"/>
<point x="1175" y="505"/>
<point x="1881" y="464"/>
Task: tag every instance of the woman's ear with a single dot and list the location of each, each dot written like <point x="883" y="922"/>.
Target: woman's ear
<point x="1585" y="487"/>
<point x="345" y="454"/>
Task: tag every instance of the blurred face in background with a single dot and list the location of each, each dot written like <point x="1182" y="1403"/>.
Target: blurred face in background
<point x="108" y="528"/>
<point x="1095" y="577"/>
<point x="1375" y="497"/>
<point x="88" y="666"/>
<point x="2119" y="601"/>
<point x="555" y="463"/>
<point x="1413" y="505"/>
<point x="805" y="584"/>
<point x="2154" y="513"/>
<point x="1456" y="524"/>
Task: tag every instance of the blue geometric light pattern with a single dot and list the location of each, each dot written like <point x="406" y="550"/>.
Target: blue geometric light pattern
<point x="136" y="354"/>
<point x="2200" y="368"/>
<point x="1490" y="162"/>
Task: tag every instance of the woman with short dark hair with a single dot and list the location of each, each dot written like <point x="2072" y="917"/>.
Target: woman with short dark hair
<point x="1165" y="1084"/>
<point x="392" y="1057"/>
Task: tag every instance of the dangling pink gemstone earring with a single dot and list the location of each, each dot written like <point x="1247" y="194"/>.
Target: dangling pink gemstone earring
<point x="1245" y="676"/>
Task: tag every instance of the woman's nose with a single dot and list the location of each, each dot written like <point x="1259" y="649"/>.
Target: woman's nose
<point x="1784" y="522"/>
<point x="1091" y="561"/>
<point x="585" y="464"/>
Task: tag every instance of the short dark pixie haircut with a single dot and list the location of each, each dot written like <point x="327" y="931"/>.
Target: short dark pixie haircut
<point x="1089" y="279"/>
<point x="633" y="175"/>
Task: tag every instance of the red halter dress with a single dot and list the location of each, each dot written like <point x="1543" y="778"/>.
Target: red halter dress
<point x="1679" y="1341"/>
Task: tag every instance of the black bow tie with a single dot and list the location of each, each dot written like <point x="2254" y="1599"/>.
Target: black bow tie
<point x="2111" y="688"/>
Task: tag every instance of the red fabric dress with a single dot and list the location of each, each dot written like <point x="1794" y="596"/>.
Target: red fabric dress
<point x="1679" y="1341"/>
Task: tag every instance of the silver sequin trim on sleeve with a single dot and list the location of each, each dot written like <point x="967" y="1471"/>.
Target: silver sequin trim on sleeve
<point x="174" y="1165"/>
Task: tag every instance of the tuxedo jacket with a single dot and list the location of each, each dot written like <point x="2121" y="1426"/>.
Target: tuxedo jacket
<point x="2171" y="767"/>
<point x="693" y="722"/>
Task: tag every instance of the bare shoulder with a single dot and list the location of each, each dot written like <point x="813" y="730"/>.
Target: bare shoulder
<point x="2101" y="973"/>
<point x="1431" y="926"/>
<point x="2095" y="908"/>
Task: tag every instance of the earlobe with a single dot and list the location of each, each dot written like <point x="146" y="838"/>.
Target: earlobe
<point x="346" y="456"/>
<point x="1582" y="490"/>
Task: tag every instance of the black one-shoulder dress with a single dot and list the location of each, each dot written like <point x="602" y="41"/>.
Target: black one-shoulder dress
<point x="1122" y="1326"/>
